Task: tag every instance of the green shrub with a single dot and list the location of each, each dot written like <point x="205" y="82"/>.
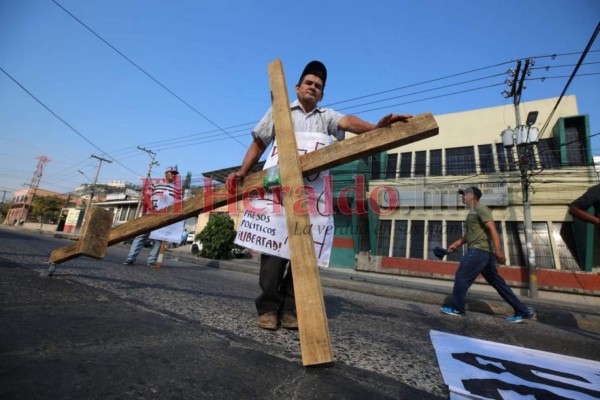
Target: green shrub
<point x="217" y="237"/>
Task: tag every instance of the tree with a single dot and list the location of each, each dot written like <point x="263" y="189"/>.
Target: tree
<point x="217" y="237"/>
<point x="4" y="207"/>
<point x="46" y="207"/>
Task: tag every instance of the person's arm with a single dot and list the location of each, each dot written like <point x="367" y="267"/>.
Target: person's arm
<point x="351" y="123"/>
<point x="578" y="207"/>
<point x="256" y="149"/>
<point x="491" y="227"/>
<point x="457" y="244"/>
<point x="584" y="215"/>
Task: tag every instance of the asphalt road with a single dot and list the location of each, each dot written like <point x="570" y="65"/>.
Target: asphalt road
<point x="100" y="329"/>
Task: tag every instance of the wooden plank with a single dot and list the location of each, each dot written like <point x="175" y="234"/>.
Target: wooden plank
<point x="398" y="134"/>
<point x="94" y="237"/>
<point x="161" y="254"/>
<point x="95" y="232"/>
<point x="313" y="328"/>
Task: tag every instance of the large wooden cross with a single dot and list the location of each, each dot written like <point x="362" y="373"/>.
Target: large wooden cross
<point x="315" y="341"/>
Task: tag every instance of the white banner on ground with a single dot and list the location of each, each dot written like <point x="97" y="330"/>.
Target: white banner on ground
<point x="479" y="369"/>
<point x="263" y="227"/>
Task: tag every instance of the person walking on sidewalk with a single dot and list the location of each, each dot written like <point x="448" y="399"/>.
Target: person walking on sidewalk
<point x="484" y="249"/>
<point x="163" y="195"/>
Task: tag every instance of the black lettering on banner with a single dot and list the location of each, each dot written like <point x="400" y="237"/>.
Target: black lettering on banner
<point x="525" y="372"/>
<point x="490" y="389"/>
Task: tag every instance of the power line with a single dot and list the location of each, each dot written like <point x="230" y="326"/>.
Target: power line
<point x="583" y="55"/>
<point x="144" y="72"/>
<point x="190" y="139"/>
<point x="61" y="119"/>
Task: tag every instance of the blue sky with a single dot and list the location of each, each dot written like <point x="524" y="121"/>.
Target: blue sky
<point x="212" y="59"/>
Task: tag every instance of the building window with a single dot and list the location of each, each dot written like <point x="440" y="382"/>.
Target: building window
<point x="405" y="165"/>
<point x="434" y="238"/>
<point x="510" y="159"/>
<point x="460" y="160"/>
<point x="501" y="157"/>
<point x="417" y="237"/>
<point x="548" y="155"/>
<point x="486" y="159"/>
<point x="420" y="163"/>
<point x="516" y="243"/>
<point x="541" y="244"/>
<point x="454" y="231"/>
<point x="390" y="167"/>
<point x="567" y="248"/>
<point x="499" y="230"/>
<point x="375" y="167"/>
<point x="383" y="238"/>
<point x="435" y="162"/>
<point x="400" y="236"/>
<point x="574" y="145"/>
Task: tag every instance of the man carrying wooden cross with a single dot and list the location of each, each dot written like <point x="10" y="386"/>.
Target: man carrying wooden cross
<point x="314" y="127"/>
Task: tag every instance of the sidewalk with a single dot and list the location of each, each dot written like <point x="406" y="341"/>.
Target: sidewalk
<point x="563" y="309"/>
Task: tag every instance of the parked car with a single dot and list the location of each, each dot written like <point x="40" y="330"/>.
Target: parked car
<point x="196" y="247"/>
<point x="239" y="251"/>
<point x="191" y="237"/>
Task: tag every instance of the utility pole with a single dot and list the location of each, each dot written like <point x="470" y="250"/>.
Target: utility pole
<point x="87" y="207"/>
<point x="524" y="159"/>
<point x="35" y="182"/>
<point x="152" y="163"/>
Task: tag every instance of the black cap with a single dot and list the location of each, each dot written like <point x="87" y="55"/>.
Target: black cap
<point x="471" y="189"/>
<point x="316" y="68"/>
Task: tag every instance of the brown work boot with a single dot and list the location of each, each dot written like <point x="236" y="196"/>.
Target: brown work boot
<point x="289" y="321"/>
<point x="268" y="321"/>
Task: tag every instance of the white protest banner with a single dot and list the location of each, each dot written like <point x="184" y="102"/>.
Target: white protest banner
<point x="480" y="369"/>
<point x="263" y="227"/>
<point x="158" y="195"/>
<point x="171" y="233"/>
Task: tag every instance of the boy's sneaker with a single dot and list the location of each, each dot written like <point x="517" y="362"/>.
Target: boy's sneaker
<point x="452" y="311"/>
<point x="517" y="318"/>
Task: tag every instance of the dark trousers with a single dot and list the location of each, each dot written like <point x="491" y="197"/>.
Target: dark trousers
<point x="277" y="286"/>
<point x="477" y="262"/>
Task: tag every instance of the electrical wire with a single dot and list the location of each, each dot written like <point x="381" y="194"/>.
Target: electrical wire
<point x="193" y="139"/>
<point x="61" y="119"/>
<point x="145" y="72"/>
<point x="583" y="55"/>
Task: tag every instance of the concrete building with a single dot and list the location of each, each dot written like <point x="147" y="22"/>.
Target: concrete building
<point x="20" y="208"/>
<point x="416" y="205"/>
